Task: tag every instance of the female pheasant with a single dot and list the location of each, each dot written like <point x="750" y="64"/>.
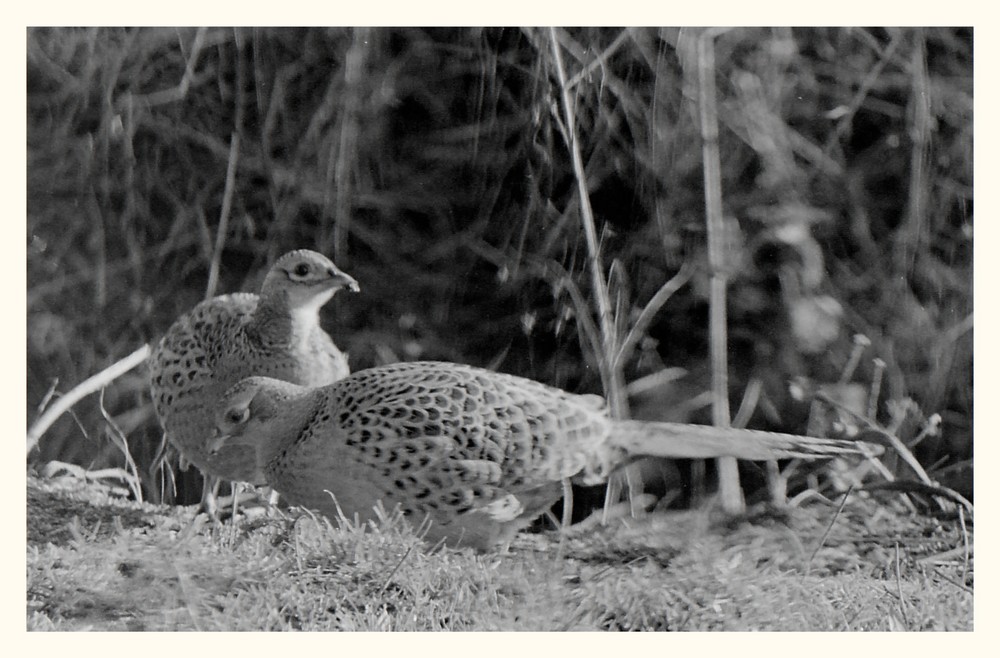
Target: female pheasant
<point x="226" y="338"/>
<point x="477" y="453"/>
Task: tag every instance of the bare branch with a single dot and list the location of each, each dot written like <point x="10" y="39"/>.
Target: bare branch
<point x="83" y="389"/>
<point x="650" y="310"/>
<point x="227" y="205"/>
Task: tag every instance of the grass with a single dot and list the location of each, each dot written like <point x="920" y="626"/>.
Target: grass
<point x="98" y="562"/>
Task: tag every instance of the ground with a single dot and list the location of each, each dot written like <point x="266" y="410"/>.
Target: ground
<point x="98" y="561"/>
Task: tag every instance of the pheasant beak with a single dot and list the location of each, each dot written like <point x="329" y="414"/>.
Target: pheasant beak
<point x="217" y="442"/>
<point x="342" y="280"/>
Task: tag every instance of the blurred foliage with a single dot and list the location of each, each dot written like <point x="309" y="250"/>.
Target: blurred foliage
<point x="431" y="164"/>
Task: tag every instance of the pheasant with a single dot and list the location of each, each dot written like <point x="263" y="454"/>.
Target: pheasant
<point x="229" y="337"/>
<point x="477" y="453"/>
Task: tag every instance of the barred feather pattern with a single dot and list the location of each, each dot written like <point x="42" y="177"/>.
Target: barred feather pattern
<point x="230" y="337"/>
<point x="478" y="454"/>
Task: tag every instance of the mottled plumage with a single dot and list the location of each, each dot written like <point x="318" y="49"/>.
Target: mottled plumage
<point x="227" y="338"/>
<point x="481" y="454"/>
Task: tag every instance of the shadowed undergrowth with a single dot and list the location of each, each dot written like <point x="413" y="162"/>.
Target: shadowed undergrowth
<point x="434" y="165"/>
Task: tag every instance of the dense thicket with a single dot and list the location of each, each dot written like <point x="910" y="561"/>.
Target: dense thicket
<point x="432" y="164"/>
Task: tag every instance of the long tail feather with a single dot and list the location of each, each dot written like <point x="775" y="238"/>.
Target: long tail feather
<point x="686" y="441"/>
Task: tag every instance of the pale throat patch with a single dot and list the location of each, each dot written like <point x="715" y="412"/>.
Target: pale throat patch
<point x="307" y="316"/>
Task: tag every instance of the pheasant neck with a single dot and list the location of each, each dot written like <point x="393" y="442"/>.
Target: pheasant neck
<point x="292" y="415"/>
<point x="274" y="324"/>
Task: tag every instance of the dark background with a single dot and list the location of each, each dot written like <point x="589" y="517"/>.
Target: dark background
<point x="431" y="165"/>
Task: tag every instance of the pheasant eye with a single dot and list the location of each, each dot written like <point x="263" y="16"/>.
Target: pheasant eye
<point x="302" y="269"/>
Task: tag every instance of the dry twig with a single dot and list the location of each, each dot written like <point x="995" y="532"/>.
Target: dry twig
<point x="83" y="389"/>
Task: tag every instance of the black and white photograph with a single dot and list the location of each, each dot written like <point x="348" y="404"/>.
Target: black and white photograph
<point x="501" y="328"/>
